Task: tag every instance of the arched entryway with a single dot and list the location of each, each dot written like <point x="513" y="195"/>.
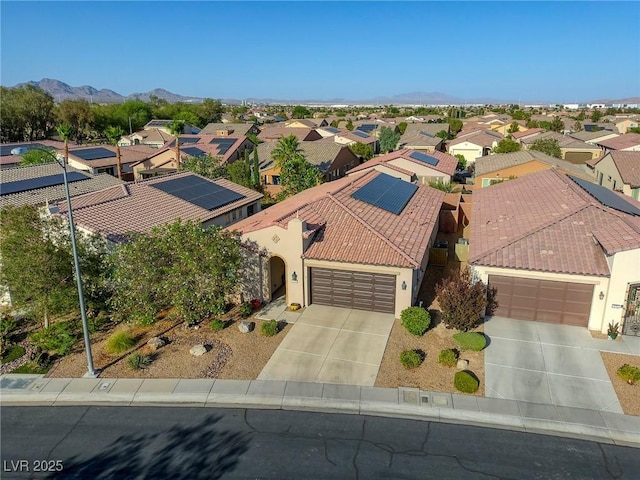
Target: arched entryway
<point x="277" y="276"/>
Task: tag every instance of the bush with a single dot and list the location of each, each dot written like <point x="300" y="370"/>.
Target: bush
<point x="629" y="373"/>
<point x="119" y="342"/>
<point x="466" y="382"/>
<point x="32" y="368"/>
<point x="463" y="300"/>
<point x="448" y="358"/>
<point x="13" y="353"/>
<point x="137" y="361"/>
<point x="57" y="338"/>
<point x="470" y="341"/>
<point x="246" y="309"/>
<point x="217" y="324"/>
<point x="411" y="359"/>
<point x="269" y="328"/>
<point x="416" y="320"/>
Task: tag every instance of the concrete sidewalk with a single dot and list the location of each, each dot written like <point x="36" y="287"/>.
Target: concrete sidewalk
<point x="600" y="426"/>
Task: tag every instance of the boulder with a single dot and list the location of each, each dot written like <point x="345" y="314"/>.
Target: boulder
<point x="198" y="350"/>
<point x="246" y="327"/>
<point x="155" y="343"/>
<point x="462" y="364"/>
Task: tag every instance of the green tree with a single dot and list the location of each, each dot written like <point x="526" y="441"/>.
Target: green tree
<point x="633" y="130"/>
<point x="205" y="165"/>
<point x="514" y="127"/>
<point x="335" y="124"/>
<point x="596" y="115"/>
<point x="300" y="112"/>
<point x="114" y="134"/>
<point x="211" y="111"/>
<point x="287" y="148"/>
<point x="64" y="132"/>
<point x="178" y="265"/>
<point x="462" y="162"/>
<point x="255" y="171"/>
<point x="550" y="146"/>
<point x="78" y="115"/>
<point x="556" y="125"/>
<point x="577" y="126"/>
<point x="455" y="125"/>
<point x="27" y="113"/>
<point x="240" y="172"/>
<point x="402" y="127"/>
<point x="443" y="134"/>
<point x="296" y="175"/>
<point x="177" y="128"/>
<point x="388" y="139"/>
<point x="506" y="145"/>
<point x="36" y="157"/>
<point x="365" y="152"/>
<point x="349" y="125"/>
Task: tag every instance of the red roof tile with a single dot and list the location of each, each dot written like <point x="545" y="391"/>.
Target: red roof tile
<point x="446" y="163"/>
<point x="628" y="140"/>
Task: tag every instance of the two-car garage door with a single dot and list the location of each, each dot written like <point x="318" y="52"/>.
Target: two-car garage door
<point x="359" y="290"/>
<point x="542" y="300"/>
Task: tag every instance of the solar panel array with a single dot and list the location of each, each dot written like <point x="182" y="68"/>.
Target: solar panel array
<point x="367" y="127"/>
<point x="424" y="158"/>
<point x="193" y="151"/>
<point x="360" y="134"/>
<point x="607" y="197"/>
<point x="386" y="192"/>
<point x="199" y="191"/>
<point x="427" y="134"/>
<point x="40" y="182"/>
<point x="224" y="144"/>
<point x="6" y="149"/>
<point x="189" y="140"/>
<point x="93" y="153"/>
<point x="158" y="123"/>
<point x="331" y="129"/>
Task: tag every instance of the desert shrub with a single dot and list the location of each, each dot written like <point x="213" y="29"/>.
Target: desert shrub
<point x="447" y="357"/>
<point x="246" y="309"/>
<point x="416" y="320"/>
<point x="463" y="300"/>
<point x="13" y="353"/>
<point x="119" y="342"/>
<point x="269" y="328"/>
<point x="629" y="373"/>
<point x="470" y="341"/>
<point x="137" y="361"/>
<point x="32" y="368"/>
<point x="465" y="382"/>
<point x="216" y="324"/>
<point x="57" y="338"/>
<point x="410" y="359"/>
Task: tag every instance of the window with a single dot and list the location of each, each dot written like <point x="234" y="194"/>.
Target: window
<point x="275" y="179"/>
<point x="251" y="210"/>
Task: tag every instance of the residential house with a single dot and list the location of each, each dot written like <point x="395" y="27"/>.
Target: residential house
<point x="474" y="144"/>
<point x="332" y="159"/>
<point x="164" y="125"/>
<point x="152" y="137"/>
<point x="572" y="150"/>
<point x="230" y="129"/>
<point x="619" y="170"/>
<point x="163" y="162"/>
<point x="629" y="142"/>
<point x="306" y="123"/>
<point x="9" y="160"/>
<point x="338" y="244"/>
<point x="412" y="165"/>
<point x="423" y="136"/>
<point x="530" y="132"/>
<point x="557" y="249"/>
<point x="592" y="137"/>
<point x="273" y="133"/>
<point x="41" y="184"/>
<point x="102" y="159"/>
<point x="624" y="124"/>
<point x="345" y="137"/>
<point x="497" y="168"/>
<point x="119" y="211"/>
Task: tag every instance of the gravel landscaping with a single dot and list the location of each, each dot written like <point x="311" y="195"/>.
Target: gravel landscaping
<point x="628" y="395"/>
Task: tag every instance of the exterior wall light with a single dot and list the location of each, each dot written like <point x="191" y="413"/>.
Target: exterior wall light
<point x="601" y="296"/>
<point x="294" y="277"/>
<point x="404" y="285"/>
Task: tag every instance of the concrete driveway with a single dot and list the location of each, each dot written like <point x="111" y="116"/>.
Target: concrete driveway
<point x="331" y="345"/>
<point x="550" y="364"/>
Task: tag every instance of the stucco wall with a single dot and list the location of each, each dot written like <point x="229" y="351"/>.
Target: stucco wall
<point x="470" y="151"/>
<point x="625" y="270"/>
<point x="420" y="170"/>
<point x="516" y="171"/>
<point x="610" y="174"/>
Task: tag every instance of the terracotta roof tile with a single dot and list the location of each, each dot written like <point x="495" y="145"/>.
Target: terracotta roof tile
<point x="628" y="165"/>
<point x="628" y="140"/>
<point x="446" y="164"/>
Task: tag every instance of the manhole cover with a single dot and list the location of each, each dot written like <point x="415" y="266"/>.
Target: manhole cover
<point x="15" y="383"/>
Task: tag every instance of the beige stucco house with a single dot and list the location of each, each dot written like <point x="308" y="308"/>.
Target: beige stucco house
<point x="328" y="246"/>
<point x="558" y="250"/>
<point x="620" y="170"/>
<point x="474" y="144"/>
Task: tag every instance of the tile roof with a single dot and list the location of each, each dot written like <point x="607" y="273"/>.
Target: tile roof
<point x="11" y="160"/>
<point x="319" y="153"/>
<point x="203" y="143"/>
<point x="153" y="135"/>
<point x="493" y="163"/>
<point x="628" y="165"/>
<point x="446" y="164"/>
<point x="565" y="141"/>
<point x="368" y="140"/>
<point x="546" y="222"/>
<point x="349" y="230"/>
<point x="128" y="155"/>
<point x="483" y="138"/>
<point x="628" y="140"/>
<point x="423" y="134"/>
<point x="41" y="196"/>
<point x="586" y="136"/>
<point x="237" y="129"/>
<point x="274" y="132"/>
<point x="138" y="207"/>
<point x="527" y="133"/>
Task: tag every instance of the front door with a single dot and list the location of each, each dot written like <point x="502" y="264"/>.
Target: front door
<point x="632" y="313"/>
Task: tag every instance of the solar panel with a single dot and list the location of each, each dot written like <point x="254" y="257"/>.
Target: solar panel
<point x="421" y="157"/>
<point x="5" y="150"/>
<point x="93" y="153"/>
<point x="367" y="127"/>
<point x="607" y="197"/>
<point x="331" y="129"/>
<point x="427" y="134"/>
<point x="222" y="141"/>
<point x="386" y="192"/>
<point x="194" y="151"/>
<point x="199" y="191"/>
<point x="360" y="134"/>
<point x="39" y="182"/>
<point x="159" y="123"/>
<point x="189" y="140"/>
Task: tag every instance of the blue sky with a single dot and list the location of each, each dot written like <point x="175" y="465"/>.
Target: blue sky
<point x="528" y="51"/>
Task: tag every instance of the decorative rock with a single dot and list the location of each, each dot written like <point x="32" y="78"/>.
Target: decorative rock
<point x="198" y="350"/>
<point x="246" y="327"/>
<point x="462" y="364"/>
<point x="155" y="343"/>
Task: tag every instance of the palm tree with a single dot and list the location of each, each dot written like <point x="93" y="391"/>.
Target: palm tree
<point x="286" y="149"/>
<point x="177" y="128"/>
<point x="64" y="131"/>
<point x="114" y="134"/>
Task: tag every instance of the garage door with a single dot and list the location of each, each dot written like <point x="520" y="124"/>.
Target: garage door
<point x="577" y="157"/>
<point x="359" y="290"/>
<point x="543" y="300"/>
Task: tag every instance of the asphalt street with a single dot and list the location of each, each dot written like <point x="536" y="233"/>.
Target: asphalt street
<point x="97" y="442"/>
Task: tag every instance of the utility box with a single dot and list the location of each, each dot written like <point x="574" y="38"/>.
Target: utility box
<point x="462" y="250"/>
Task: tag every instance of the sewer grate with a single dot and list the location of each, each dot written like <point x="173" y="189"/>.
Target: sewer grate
<point x="15" y="383"/>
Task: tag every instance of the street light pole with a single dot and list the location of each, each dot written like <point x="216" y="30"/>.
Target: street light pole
<point x="91" y="372"/>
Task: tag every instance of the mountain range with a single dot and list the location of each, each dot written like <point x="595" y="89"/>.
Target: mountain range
<point x="62" y="91"/>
